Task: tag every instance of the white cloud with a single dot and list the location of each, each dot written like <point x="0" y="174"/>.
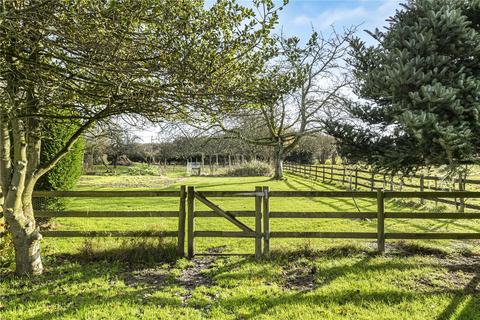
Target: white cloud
<point x="302" y="20"/>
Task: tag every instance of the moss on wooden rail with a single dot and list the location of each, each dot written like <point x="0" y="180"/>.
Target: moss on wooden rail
<point x="107" y="234"/>
<point x="104" y="194"/>
<point x="224" y="234"/>
<point x="105" y="214"/>
<point x="323" y="215"/>
<point x="432" y="194"/>
<point x="309" y="235"/>
<point x="432" y="215"/>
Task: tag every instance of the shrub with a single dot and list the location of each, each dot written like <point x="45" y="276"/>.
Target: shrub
<point x="249" y="169"/>
<point x="143" y="169"/>
<point x="65" y="174"/>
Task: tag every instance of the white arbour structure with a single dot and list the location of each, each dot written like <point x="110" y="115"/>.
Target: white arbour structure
<point x="194" y="168"/>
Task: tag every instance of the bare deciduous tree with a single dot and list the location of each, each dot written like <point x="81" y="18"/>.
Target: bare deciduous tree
<point x="316" y="79"/>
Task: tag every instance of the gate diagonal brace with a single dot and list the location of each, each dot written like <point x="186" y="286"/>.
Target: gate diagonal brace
<point x="222" y="213"/>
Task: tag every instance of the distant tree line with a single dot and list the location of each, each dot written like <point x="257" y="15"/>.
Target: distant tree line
<point x="120" y="147"/>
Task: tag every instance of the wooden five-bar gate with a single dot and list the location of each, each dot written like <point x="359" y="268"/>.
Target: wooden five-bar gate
<point x="260" y="230"/>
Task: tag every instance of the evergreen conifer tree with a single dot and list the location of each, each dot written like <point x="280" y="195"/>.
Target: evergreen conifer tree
<point x="419" y="90"/>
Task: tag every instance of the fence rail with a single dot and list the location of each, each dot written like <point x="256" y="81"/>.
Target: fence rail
<point x="353" y="178"/>
<point x="260" y="230"/>
<point x="180" y="214"/>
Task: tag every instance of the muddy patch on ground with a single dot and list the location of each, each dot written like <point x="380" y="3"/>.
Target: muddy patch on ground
<point x="148" y="277"/>
<point x="195" y="275"/>
<point x="455" y="274"/>
<point x="300" y="279"/>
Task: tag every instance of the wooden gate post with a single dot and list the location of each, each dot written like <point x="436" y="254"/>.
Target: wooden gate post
<point x="266" y="221"/>
<point x="191" y="222"/>
<point x="380" y="221"/>
<point x="181" y="222"/>
<point x="258" y="222"/>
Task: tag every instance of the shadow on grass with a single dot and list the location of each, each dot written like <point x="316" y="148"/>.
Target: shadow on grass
<point x="53" y="287"/>
<point x="362" y="203"/>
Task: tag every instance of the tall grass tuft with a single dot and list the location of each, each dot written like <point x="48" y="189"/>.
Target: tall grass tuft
<point x="249" y="169"/>
<point x="130" y="251"/>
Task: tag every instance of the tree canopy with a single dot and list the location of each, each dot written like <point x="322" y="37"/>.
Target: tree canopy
<point x="80" y="62"/>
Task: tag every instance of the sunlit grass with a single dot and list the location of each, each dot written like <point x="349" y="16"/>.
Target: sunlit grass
<point x="304" y="279"/>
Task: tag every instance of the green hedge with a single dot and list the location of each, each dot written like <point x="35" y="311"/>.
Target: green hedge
<point x="65" y="174"/>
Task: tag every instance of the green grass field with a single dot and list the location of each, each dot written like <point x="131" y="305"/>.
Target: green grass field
<point x="304" y="279"/>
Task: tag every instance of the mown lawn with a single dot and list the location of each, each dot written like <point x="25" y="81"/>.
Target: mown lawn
<point x="304" y="279"/>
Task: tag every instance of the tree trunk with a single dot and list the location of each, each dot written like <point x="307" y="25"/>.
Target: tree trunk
<point x="26" y="240"/>
<point x="18" y="212"/>
<point x="278" y="162"/>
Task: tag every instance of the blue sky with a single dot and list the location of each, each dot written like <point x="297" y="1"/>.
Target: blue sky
<point x="299" y="16"/>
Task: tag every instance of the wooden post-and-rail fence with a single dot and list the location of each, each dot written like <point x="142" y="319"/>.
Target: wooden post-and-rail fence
<point x="353" y="178"/>
<point x="260" y="231"/>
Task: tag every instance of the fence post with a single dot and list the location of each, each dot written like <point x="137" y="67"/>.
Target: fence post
<point x="266" y="221"/>
<point x="343" y="177"/>
<point x="422" y="188"/>
<point x="392" y="184"/>
<point x="331" y="173"/>
<point x="258" y="223"/>
<point x="350" y="178"/>
<point x="356" y="179"/>
<point x="181" y="222"/>
<point x="316" y="173"/>
<point x="191" y="222"/>
<point x="323" y="173"/>
<point x="372" y="181"/>
<point x="380" y="221"/>
<point x="461" y="187"/>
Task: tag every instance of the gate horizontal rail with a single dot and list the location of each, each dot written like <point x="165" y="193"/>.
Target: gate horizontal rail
<point x="180" y="214"/>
